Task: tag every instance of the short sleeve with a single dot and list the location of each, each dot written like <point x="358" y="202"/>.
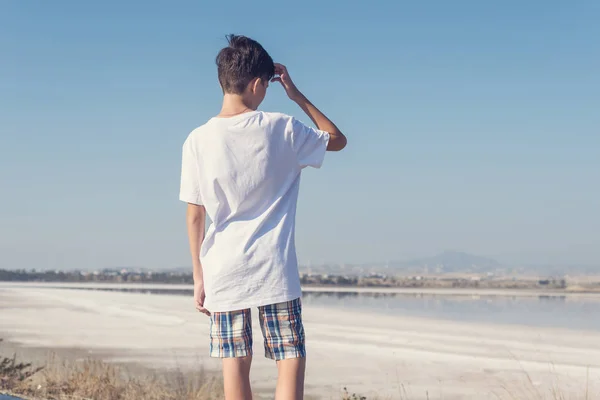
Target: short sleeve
<point x="189" y="190"/>
<point x="310" y="145"/>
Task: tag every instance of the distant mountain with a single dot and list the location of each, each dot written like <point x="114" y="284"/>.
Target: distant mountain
<point x="451" y="261"/>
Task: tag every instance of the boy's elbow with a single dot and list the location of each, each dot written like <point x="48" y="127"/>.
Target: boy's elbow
<point x="195" y="212"/>
<point x="337" y="142"/>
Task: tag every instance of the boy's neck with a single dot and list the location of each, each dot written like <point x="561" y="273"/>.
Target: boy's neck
<point x="234" y="104"/>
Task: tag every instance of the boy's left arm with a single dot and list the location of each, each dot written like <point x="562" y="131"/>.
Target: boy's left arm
<point x="196" y="220"/>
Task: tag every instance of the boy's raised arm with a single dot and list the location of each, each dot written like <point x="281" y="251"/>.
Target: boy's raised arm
<point x="337" y="140"/>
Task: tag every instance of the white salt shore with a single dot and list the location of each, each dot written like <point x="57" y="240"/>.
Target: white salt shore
<point x="367" y="353"/>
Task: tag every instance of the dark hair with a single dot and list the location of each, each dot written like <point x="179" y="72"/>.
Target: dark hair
<point x="240" y="62"/>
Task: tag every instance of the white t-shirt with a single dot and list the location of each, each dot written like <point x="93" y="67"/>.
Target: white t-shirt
<point x="245" y="170"/>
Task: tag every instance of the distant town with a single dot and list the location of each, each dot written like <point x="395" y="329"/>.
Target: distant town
<point x="438" y="281"/>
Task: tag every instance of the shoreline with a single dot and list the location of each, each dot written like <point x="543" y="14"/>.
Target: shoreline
<point x="319" y="289"/>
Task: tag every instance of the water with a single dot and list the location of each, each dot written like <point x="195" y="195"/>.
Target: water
<point x="543" y="311"/>
<point x="580" y="313"/>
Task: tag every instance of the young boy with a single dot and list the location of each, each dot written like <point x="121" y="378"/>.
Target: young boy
<point x="242" y="168"/>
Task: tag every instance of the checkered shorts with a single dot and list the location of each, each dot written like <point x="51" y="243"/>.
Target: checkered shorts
<point x="281" y="325"/>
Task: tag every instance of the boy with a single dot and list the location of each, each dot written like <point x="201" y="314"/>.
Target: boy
<point x="242" y="168"/>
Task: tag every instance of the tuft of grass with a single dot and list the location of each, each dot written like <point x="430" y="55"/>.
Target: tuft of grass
<point x="15" y="375"/>
<point x="347" y="396"/>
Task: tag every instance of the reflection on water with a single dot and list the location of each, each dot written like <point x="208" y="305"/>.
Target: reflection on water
<point x="542" y="310"/>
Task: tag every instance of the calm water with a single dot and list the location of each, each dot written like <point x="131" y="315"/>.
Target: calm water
<point x="543" y="311"/>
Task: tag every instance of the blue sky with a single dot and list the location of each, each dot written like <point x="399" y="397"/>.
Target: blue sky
<point x="472" y="126"/>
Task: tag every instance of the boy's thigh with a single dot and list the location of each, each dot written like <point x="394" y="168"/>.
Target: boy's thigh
<point x="283" y="330"/>
<point x="231" y="334"/>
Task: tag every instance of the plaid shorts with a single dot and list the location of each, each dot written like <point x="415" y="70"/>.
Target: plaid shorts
<point x="281" y="325"/>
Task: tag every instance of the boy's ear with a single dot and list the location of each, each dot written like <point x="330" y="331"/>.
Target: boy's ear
<point x="255" y="83"/>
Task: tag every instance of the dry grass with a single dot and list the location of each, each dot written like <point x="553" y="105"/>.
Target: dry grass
<point x="97" y="380"/>
<point x="347" y="396"/>
<point x="15" y="375"/>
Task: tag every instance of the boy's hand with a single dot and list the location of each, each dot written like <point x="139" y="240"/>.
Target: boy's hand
<point x="287" y="83"/>
<point x="199" y="297"/>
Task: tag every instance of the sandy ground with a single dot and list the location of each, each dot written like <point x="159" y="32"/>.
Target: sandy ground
<point x="368" y="353"/>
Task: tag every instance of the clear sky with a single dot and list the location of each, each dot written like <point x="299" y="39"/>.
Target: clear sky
<point x="472" y="126"/>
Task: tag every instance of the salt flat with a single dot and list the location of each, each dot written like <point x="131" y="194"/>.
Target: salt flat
<point x="367" y="353"/>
